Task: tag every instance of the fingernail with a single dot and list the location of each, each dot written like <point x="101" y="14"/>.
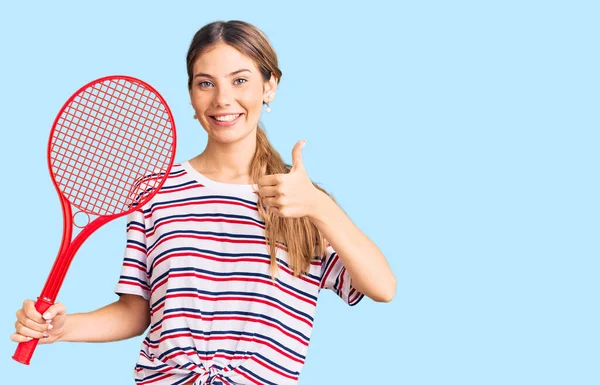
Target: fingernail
<point x="47" y="316"/>
<point x="46" y="335"/>
<point x="29" y="338"/>
<point x="50" y="327"/>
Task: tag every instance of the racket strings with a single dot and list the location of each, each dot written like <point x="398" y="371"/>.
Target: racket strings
<point x="108" y="144"/>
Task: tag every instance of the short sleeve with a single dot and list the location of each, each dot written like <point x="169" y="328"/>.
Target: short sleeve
<point x="134" y="277"/>
<point x="335" y="277"/>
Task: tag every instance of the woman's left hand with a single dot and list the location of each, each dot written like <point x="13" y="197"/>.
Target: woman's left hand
<point x="290" y="195"/>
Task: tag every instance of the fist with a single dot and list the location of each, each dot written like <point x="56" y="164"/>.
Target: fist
<point x="30" y="324"/>
<point x="290" y="195"/>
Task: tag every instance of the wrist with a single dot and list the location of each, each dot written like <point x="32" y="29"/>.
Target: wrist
<point x="319" y="205"/>
<point x="61" y="334"/>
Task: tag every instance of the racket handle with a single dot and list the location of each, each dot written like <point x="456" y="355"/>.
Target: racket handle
<point x="25" y="350"/>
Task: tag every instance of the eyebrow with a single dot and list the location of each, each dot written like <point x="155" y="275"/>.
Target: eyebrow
<point x="231" y="74"/>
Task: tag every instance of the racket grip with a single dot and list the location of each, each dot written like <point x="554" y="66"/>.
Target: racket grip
<point x="25" y="350"/>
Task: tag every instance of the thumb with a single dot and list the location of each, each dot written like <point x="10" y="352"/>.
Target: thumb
<point x="54" y="310"/>
<point x="297" y="163"/>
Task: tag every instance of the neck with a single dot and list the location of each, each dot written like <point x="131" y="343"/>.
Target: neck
<point x="227" y="161"/>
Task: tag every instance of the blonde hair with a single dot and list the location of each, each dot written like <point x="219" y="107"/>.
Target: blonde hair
<point x="299" y="236"/>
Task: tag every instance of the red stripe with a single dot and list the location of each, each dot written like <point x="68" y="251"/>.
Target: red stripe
<point x="135" y="247"/>
<point x="245" y="375"/>
<point x="231" y="318"/>
<point x="341" y="286"/>
<point x="135" y="227"/>
<point x="122" y="282"/>
<point x="204" y="202"/>
<point x="184" y="188"/>
<point x="331" y="265"/>
<point x="154" y="379"/>
<point x="213" y="338"/>
<point x="215" y="220"/>
<point x="177" y="176"/>
<point x="231" y="298"/>
<point x="218" y="376"/>
<point x="257" y="360"/>
<point x="134" y="266"/>
<point x="304" y="278"/>
<point x="233" y="279"/>
<point x="208" y="238"/>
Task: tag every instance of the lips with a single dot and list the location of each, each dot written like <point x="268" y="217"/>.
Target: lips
<point x="226" y="115"/>
<point x="226" y="123"/>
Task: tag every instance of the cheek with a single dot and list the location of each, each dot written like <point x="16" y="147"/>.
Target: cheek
<point x="252" y="98"/>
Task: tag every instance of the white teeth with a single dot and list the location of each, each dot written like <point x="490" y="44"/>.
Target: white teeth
<point x="226" y="118"/>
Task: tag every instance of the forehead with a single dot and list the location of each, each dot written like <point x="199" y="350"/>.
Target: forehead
<point x="221" y="60"/>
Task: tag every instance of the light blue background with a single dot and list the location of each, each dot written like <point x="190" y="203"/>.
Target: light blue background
<point x="461" y="137"/>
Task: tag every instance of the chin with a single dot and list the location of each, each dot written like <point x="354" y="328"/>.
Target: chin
<point x="228" y="136"/>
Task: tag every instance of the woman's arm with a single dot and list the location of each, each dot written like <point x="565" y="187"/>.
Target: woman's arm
<point x="127" y="317"/>
<point x="367" y="266"/>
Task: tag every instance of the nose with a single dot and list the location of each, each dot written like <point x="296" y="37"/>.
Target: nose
<point x="223" y="97"/>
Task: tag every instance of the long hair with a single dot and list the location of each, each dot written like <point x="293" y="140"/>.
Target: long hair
<point x="299" y="236"/>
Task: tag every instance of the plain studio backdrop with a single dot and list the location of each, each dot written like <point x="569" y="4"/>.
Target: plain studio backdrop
<point x="461" y="137"/>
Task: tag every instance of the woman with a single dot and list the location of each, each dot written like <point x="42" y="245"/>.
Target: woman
<point x="225" y="305"/>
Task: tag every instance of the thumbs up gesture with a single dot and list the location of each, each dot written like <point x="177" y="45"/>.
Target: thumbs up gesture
<point x="291" y="195"/>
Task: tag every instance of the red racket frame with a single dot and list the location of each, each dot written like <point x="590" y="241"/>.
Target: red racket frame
<point x="69" y="248"/>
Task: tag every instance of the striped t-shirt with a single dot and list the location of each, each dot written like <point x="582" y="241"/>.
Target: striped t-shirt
<point x="197" y="252"/>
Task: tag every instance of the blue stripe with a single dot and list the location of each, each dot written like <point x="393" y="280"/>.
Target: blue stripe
<point x="223" y="333"/>
<point x="231" y="274"/>
<point x="256" y="376"/>
<point x="179" y="185"/>
<point x="199" y="199"/>
<point x="226" y="313"/>
<point x="152" y="367"/>
<point x="134" y="223"/>
<point x="136" y="261"/>
<point x="134" y="279"/>
<point x="239" y="293"/>
<point x="276" y="365"/>
<point x="150" y="377"/>
<point x="184" y="379"/>
<point x="210" y="215"/>
<point x="219" y="254"/>
<point x="176" y="172"/>
<point x="140" y="244"/>
<point x="196" y="232"/>
<point x="358" y="299"/>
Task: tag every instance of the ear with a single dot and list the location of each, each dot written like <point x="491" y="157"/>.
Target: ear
<point x="270" y="88"/>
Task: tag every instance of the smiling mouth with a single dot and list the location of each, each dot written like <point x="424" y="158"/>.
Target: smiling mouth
<point x="226" y="118"/>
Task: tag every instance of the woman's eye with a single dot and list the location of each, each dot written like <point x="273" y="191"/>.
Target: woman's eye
<point x="201" y="84"/>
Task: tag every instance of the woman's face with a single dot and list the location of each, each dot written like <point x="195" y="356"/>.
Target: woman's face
<point x="228" y="83"/>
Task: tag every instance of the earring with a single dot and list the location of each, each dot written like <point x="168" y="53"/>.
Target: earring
<point x="269" y="99"/>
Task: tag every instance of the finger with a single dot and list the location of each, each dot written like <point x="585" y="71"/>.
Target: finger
<point x="268" y="191"/>
<point x="22" y="319"/>
<point x="54" y="310"/>
<point x="270" y="180"/>
<point x="271" y="202"/>
<point x="275" y="210"/>
<point x="25" y="331"/>
<point x="31" y="312"/>
<point x="297" y="163"/>
<point x="19" y="338"/>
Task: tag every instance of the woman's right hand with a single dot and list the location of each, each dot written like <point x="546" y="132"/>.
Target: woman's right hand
<point x="31" y="324"/>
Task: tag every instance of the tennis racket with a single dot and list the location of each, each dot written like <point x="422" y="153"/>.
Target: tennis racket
<point x="111" y="148"/>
